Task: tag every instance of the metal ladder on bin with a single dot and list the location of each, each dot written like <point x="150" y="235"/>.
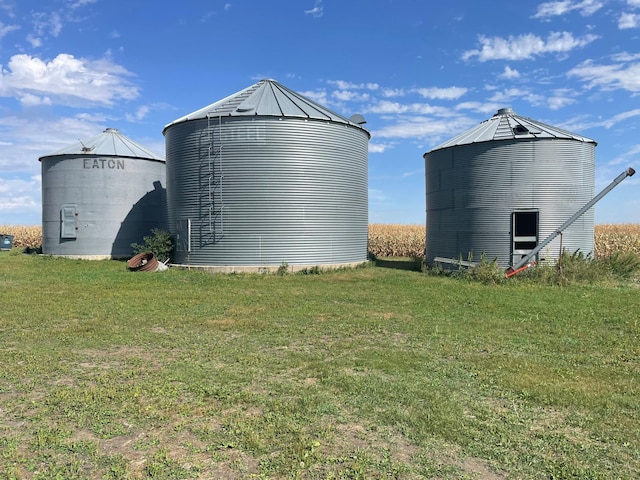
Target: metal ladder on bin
<point x="215" y="177"/>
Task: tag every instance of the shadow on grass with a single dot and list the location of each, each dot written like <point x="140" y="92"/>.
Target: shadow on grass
<point x="400" y="263"/>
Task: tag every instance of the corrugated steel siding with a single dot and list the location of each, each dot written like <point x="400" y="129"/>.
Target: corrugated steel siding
<point x="119" y="200"/>
<point x="285" y="190"/>
<point x="472" y="190"/>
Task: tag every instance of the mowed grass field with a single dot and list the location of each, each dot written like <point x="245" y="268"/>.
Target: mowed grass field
<point x="368" y="373"/>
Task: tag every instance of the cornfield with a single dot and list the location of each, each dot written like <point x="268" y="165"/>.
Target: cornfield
<point x="397" y="240"/>
<point x="622" y="237"/>
<point x="409" y="240"/>
<point x="400" y="240"/>
<point x="23" y="236"/>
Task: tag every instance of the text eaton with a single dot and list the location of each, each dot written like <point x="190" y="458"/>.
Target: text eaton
<point x="112" y="163"/>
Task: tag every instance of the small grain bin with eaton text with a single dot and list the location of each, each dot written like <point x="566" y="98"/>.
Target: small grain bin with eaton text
<point x="267" y="177"/>
<point x="99" y="196"/>
<point x="497" y="190"/>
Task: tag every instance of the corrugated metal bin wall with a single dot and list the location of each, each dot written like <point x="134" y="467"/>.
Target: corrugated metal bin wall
<point x="473" y="189"/>
<point x="276" y="190"/>
<point x="95" y="205"/>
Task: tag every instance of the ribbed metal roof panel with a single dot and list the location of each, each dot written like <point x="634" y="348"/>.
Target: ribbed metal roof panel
<point x="109" y="143"/>
<point x="266" y="98"/>
<point x="507" y="125"/>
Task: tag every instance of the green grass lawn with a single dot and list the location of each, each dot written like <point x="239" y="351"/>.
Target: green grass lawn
<point x="378" y="372"/>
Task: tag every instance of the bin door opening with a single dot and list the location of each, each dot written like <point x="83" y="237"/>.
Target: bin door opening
<point x="524" y="234"/>
<point x="183" y="235"/>
<point x="68" y="221"/>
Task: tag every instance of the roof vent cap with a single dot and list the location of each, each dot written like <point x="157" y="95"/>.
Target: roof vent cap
<point x="357" y="119"/>
<point x="504" y="111"/>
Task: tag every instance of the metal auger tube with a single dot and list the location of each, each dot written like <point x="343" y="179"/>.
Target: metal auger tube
<point x="627" y="173"/>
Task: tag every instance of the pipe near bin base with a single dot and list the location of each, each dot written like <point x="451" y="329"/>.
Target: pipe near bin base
<point x="629" y="172"/>
<point x="143" y="262"/>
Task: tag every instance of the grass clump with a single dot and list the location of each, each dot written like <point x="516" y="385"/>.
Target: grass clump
<point x="578" y="268"/>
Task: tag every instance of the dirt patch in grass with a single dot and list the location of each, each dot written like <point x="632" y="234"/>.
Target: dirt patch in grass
<point x="352" y="438"/>
<point x="479" y="469"/>
<point x="115" y="358"/>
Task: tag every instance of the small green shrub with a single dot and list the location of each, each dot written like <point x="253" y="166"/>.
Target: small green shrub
<point x="283" y="269"/>
<point x="622" y="264"/>
<point x="315" y="270"/>
<point x="160" y="243"/>
<point x="487" y="272"/>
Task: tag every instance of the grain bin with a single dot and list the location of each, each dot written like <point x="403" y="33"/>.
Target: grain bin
<point x="267" y="177"/>
<point x="101" y="195"/>
<point x="502" y="187"/>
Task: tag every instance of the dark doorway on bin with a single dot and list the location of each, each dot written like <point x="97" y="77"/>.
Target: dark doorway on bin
<point x="524" y="233"/>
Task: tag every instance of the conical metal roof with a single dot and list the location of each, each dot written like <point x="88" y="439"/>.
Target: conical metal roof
<point x="268" y="98"/>
<point x="507" y="125"/>
<point x="109" y="143"/>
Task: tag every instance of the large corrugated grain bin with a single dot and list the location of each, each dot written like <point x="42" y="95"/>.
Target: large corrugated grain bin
<point x="266" y="177"/>
<point x="101" y="195"/>
<point x="502" y="187"/>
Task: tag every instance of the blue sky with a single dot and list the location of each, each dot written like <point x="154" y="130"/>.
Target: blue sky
<point x="420" y="72"/>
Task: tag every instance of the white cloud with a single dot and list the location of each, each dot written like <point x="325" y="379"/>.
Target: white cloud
<point x="621" y="117"/>
<point x="379" y="147"/>
<point x="66" y="79"/>
<point x="47" y="23"/>
<point x="633" y="3"/>
<point x="424" y="128"/>
<point x="317" y="10"/>
<point x="30" y="137"/>
<point x="552" y="9"/>
<point x="628" y="20"/>
<point x="386" y="107"/>
<point x="318" y="96"/>
<point x="480" y="107"/>
<point x="344" y="85"/>
<point x="625" y="56"/>
<point x="608" y="77"/>
<point x="628" y="156"/>
<point x="526" y="46"/>
<point x="350" y="96"/>
<point x="29" y="100"/>
<point x="34" y="41"/>
<point x="376" y="195"/>
<point x="450" y="93"/>
<point x="20" y="196"/>
<point x="413" y="173"/>
<point x="80" y="3"/>
<point x="207" y="16"/>
<point x="583" y="122"/>
<point x="509" y="73"/>
<point x="560" y="98"/>
<point x="393" y="92"/>
<point x="139" y="114"/>
<point x="505" y="96"/>
<point x="6" y="29"/>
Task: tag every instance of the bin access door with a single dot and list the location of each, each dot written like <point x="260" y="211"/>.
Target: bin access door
<point x="68" y="221"/>
<point x="524" y="233"/>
